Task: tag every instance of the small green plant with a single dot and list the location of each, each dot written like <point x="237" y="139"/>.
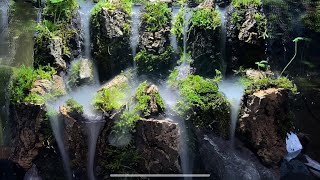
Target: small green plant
<point x="60" y="10"/>
<point x="263" y="65"/>
<point x="245" y="3"/>
<point x="127" y="122"/>
<point x="156" y="16"/>
<point x="296" y="40"/>
<point x="178" y="22"/>
<point x="74" y="106"/>
<point x="206" y="18"/>
<point x="124" y="5"/>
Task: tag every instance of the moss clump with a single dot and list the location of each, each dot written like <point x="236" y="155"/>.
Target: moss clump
<point x="124" y="5"/>
<point x="312" y="19"/>
<point x="127" y="122"/>
<point x="74" y="107"/>
<point x="23" y="78"/>
<point x="60" y="10"/>
<point x="150" y="62"/>
<point x="203" y="104"/>
<point x="74" y="73"/>
<point x="156" y="16"/>
<point x="109" y="99"/>
<point x="253" y="85"/>
<point x="207" y="18"/>
<point x="245" y="3"/>
<point x="144" y="99"/>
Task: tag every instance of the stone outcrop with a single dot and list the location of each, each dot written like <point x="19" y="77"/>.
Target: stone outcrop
<point x="246" y="32"/>
<point x="80" y="73"/>
<point x="264" y="122"/>
<point x="222" y="161"/>
<point x="157" y="142"/>
<point x="44" y="86"/>
<point x="27" y="125"/>
<point x="111" y="42"/>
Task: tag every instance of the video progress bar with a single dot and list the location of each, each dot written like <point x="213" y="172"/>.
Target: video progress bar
<point x="159" y="175"/>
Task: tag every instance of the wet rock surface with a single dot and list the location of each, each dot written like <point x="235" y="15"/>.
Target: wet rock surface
<point x="223" y="161"/>
<point x="263" y="124"/>
<point x="28" y="125"/>
<point x="111" y="42"/>
<point x="158" y="145"/>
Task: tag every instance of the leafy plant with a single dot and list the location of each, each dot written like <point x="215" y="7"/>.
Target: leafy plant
<point x="74" y="106"/>
<point x="156" y="16"/>
<point x="296" y="40"/>
<point x="206" y="18"/>
<point x="263" y="65"/>
<point x="245" y="3"/>
<point x="60" y="10"/>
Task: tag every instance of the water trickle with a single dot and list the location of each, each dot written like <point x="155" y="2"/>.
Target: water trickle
<point x="233" y="91"/>
<point x="85" y="9"/>
<point x="187" y="16"/>
<point x="135" y="26"/>
<point x="173" y="38"/>
<point x="223" y="37"/>
<point x="4" y="47"/>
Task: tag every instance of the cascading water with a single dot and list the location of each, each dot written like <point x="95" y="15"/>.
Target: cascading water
<point x="135" y="26"/>
<point x="173" y="38"/>
<point x="4" y="8"/>
<point x="233" y="91"/>
<point x="223" y="37"/>
<point x="85" y="9"/>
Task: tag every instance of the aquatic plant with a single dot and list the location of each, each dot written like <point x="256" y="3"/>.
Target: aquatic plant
<point x="296" y="40"/>
<point x="156" y="16"/>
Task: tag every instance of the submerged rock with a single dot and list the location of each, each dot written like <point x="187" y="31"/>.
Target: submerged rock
<point x="264" y="122"/>
<point x="157" y="142"/>
<point x="223" y="161"/>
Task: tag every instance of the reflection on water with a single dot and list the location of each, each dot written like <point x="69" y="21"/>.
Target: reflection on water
<point x="17" y="22"/>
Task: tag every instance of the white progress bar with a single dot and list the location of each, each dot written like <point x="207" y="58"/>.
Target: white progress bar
<point x="159" y="175"/>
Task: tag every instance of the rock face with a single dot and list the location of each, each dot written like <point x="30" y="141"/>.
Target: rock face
<point x="111" y="42"/>
<point x="264" y="122"/>
<point x="44" y="86"/>
<point x="225" y="162"/>
<point x="86" y="71"/>
<point x="157" y="143"/>
<point x="28" y="134"/>
<point x="246" y="31"/>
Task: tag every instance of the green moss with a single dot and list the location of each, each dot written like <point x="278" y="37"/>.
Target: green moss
<point x="124" y="5"/>
<point x="60" y="10"/>
<point x="149" y="62"/>
<point x="253" y="85"/>
<point x="245" y="3"/>
<point x="109" y="99"/>
<point x="156" y="16"/>
<point x="312" y="19"/>
<point x="203" y="104"/>
<point x="207" y="18"/>
<point x="23" y="79"/>
<point x="127" y="122"/>
<point x="74" y="106"/>
<point x="143" y="99"/>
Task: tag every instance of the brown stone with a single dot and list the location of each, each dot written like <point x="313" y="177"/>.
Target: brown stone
<point x="264" y="122"/>
<point x="157" y="142"/>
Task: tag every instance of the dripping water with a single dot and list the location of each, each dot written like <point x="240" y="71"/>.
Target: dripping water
<point x="233" y="91"/>
<point x="173" y="38"/>
<point x="223" y="37"/>
<point x="135" y="26"/>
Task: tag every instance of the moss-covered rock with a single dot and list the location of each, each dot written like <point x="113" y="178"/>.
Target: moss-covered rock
<point x="58" y="38"/>
<point x="110" y="27"/>
<point x="148" y="100"/>
<point x="246" y="33"/>
<point x="203" y="104"/>
<point x="80" y="73"/>
<point x="203" y="38"/>
<point x="155" y="52"/>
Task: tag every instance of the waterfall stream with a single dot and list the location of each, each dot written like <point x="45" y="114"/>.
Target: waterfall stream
<point x="233" y="91"/>
<point x="173" y="38"/>
<point x="223" y="38"/>
<point x="135" y="26"/>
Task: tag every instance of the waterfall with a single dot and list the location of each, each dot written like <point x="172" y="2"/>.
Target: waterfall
<point x="173" y="38"/>
<point x="57" y="129"/>
<point x="85" y="12"/>
<point x="135" y="26"/>
<point x="4" y="21"/>
<point x="187" y="16"/>
<point x="223" y="37"/>
<point x="233" y="91"/>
